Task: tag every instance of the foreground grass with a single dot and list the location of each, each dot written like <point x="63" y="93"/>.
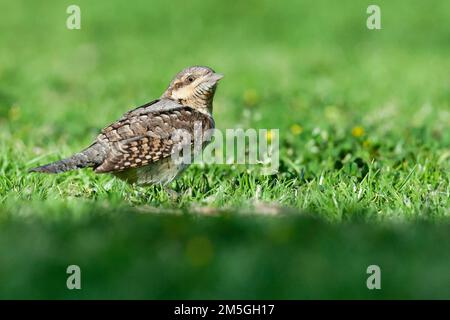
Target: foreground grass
<point x="124" y="254"/>
<point x="363" y="119"/>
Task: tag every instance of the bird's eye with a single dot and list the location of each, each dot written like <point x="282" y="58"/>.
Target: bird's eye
<point x="190" y="79"/>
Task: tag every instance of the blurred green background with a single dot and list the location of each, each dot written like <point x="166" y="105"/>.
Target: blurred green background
<point x="365" y="150"/>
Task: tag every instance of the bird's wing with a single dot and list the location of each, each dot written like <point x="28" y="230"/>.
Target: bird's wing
<point x="141" y="109"/>
<point x="146" y="135"/>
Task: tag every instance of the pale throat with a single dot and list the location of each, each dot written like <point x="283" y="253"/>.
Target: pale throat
<point x="195" y="98"/>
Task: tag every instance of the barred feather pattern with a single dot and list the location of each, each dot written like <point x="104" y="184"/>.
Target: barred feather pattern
<point x="146" y="135"/>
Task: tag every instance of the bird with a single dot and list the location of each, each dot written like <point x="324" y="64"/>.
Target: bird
<point x="138" y="148"/>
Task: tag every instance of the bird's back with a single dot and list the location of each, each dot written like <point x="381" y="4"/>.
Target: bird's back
<point x="140" y="144"/>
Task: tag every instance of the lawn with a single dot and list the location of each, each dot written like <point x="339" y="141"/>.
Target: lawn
<point x="363" y="116"/>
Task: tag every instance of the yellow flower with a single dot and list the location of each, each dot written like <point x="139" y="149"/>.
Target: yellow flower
<point x="358" y="131"/>
<point x="251" y="97"/>
<point x="269" y="135"/>
<point x="14" y="113"/>
<point x="296" y="129"/>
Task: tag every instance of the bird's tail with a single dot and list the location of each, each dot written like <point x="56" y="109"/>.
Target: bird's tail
<point x="90" y="157"/>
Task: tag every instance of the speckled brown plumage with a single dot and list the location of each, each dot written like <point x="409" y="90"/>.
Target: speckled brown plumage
<point x="138" y="146"/>
<point x="146" y="137"/>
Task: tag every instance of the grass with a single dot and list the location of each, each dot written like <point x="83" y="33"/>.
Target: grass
<point x="365" y="151"/>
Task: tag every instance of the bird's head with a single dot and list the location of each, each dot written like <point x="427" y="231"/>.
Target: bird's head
<point x="194" y="87"/>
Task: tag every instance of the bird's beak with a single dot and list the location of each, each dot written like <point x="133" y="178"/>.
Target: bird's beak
<point x="214" y="77"/>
